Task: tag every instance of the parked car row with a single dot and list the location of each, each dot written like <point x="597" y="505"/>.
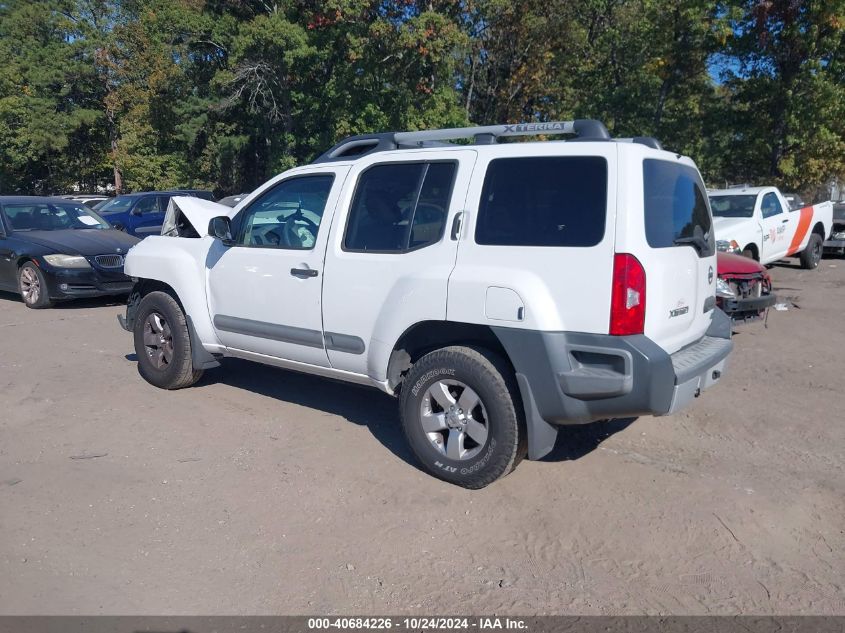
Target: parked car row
<point x="759" y="223"/>
<point x="763" y="225"/>
<point x="58" y="248"/>
<point x="53" y="249"/>
<point x="497" y="290"/>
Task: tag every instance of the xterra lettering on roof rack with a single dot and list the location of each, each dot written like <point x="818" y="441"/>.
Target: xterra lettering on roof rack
<point x="537" y="127"/>
<point x="361" y="145"/>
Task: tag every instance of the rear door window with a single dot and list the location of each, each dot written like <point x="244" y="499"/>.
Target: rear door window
<point x="399" y="207"/>
<point x="675" y="205"/>
<point x="543" y="201"/>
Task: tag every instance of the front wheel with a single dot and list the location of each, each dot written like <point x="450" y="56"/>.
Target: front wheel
<point x="461" y="416"/>
<point x="812" y="255"/>
<point x="33" y="287"/>
<point x="163" y="344"/>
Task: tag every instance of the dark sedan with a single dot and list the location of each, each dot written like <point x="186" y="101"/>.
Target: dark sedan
<point x="53" y="249"/>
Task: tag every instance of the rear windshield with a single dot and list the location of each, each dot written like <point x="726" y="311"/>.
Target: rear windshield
<point x="676" y="212"/>
<point x="548" y="201"/>
<point x="733" y="206"/>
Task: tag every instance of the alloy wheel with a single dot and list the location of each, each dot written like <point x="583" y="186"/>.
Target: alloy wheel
<point x="454" y="420"/>
<point x="158" y="340"/>
<point x="30" y="285"/>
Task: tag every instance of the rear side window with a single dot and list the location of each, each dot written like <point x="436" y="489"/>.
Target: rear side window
<point x="399" y="207"/>
<point x="548" y="201"/>
<point x="675" y="204"/>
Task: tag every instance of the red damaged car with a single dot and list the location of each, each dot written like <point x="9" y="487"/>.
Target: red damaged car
<point x="743" y="287"/>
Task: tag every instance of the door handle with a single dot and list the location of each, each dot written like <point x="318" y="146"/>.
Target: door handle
<point x="304" y="273"/>
<point x="457" y="223"/>
<point x="784" y="221"/>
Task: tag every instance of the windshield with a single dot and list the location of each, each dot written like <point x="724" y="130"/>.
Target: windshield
<point x="52" y="216"/>
<point x="733" y="206"/>
<point x="120" y="203"/>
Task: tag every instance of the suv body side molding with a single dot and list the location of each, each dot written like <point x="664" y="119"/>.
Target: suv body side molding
<point x="289" y="334"/>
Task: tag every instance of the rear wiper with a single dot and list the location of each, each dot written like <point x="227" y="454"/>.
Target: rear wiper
<point x="698" y="241"/>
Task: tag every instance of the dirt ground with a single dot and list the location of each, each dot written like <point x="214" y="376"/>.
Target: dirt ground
<point x="261" y="491"/>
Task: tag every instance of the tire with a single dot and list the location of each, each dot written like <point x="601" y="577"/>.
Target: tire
<point x="163" y="344"/>
<point x="749" y="254"/>
<point x="478" y="445"/>
<point x="812" y="255"/>
<point x="33" y="287"/>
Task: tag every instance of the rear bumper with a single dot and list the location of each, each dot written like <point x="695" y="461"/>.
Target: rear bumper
<point x="575" y="378"/>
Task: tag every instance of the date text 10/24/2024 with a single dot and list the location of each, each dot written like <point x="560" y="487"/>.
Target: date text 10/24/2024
<point x="417" y="623"/>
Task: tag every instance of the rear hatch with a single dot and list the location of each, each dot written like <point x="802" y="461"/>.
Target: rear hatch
<point x="677" y="249"/>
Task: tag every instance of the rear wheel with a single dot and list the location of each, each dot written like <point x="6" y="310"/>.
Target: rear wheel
<point x="163" y="344"/>
<point x="749" y="253"/>
<point x="33" y="287"/>
<point x="812" y="255"/>
<point x="461" y="417"/>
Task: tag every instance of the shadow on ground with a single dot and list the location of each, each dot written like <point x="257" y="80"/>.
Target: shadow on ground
<point x="358" y="404"/>
<point x="576" y="440"/>
<point x="377" y="411"/>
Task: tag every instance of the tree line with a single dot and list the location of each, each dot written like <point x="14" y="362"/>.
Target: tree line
<point x="223" y="94"/>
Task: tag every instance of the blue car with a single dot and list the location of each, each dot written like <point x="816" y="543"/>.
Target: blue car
<point x="142" y="214"/>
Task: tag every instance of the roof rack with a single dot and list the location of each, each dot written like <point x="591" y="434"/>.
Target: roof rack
<point x="357" y="146"/>
<point x="648" y="141"/>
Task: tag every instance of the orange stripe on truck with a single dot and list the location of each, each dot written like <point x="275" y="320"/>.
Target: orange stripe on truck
<point x="801" y="231"/>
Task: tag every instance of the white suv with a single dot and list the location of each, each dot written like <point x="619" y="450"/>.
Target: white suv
<point x="499" y="290"/>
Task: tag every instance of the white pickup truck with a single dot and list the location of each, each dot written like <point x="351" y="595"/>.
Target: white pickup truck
<point x="758" y="223"/>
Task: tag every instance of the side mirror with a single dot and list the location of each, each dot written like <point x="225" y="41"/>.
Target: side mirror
<point x="221" y="229"/>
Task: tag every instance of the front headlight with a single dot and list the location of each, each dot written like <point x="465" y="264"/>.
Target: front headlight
<point x="67" y="261"/>
<point x="839" y="235"/>
<point x="727" y="247"/>
<point x="723" y="289"/>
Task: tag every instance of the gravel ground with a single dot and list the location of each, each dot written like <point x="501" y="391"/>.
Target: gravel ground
<point x="265" y="491"/>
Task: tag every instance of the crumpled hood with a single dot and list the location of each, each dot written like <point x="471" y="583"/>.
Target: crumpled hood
<point x="196" y="210"/>
<point x="730" y="264"/>
<point x="86" y="242"/>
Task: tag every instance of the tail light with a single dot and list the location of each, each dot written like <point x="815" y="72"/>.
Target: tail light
<point x="627" y="303"/>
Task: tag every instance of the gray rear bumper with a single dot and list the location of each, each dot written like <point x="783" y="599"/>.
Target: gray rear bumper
<point x="575" y="378"/>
